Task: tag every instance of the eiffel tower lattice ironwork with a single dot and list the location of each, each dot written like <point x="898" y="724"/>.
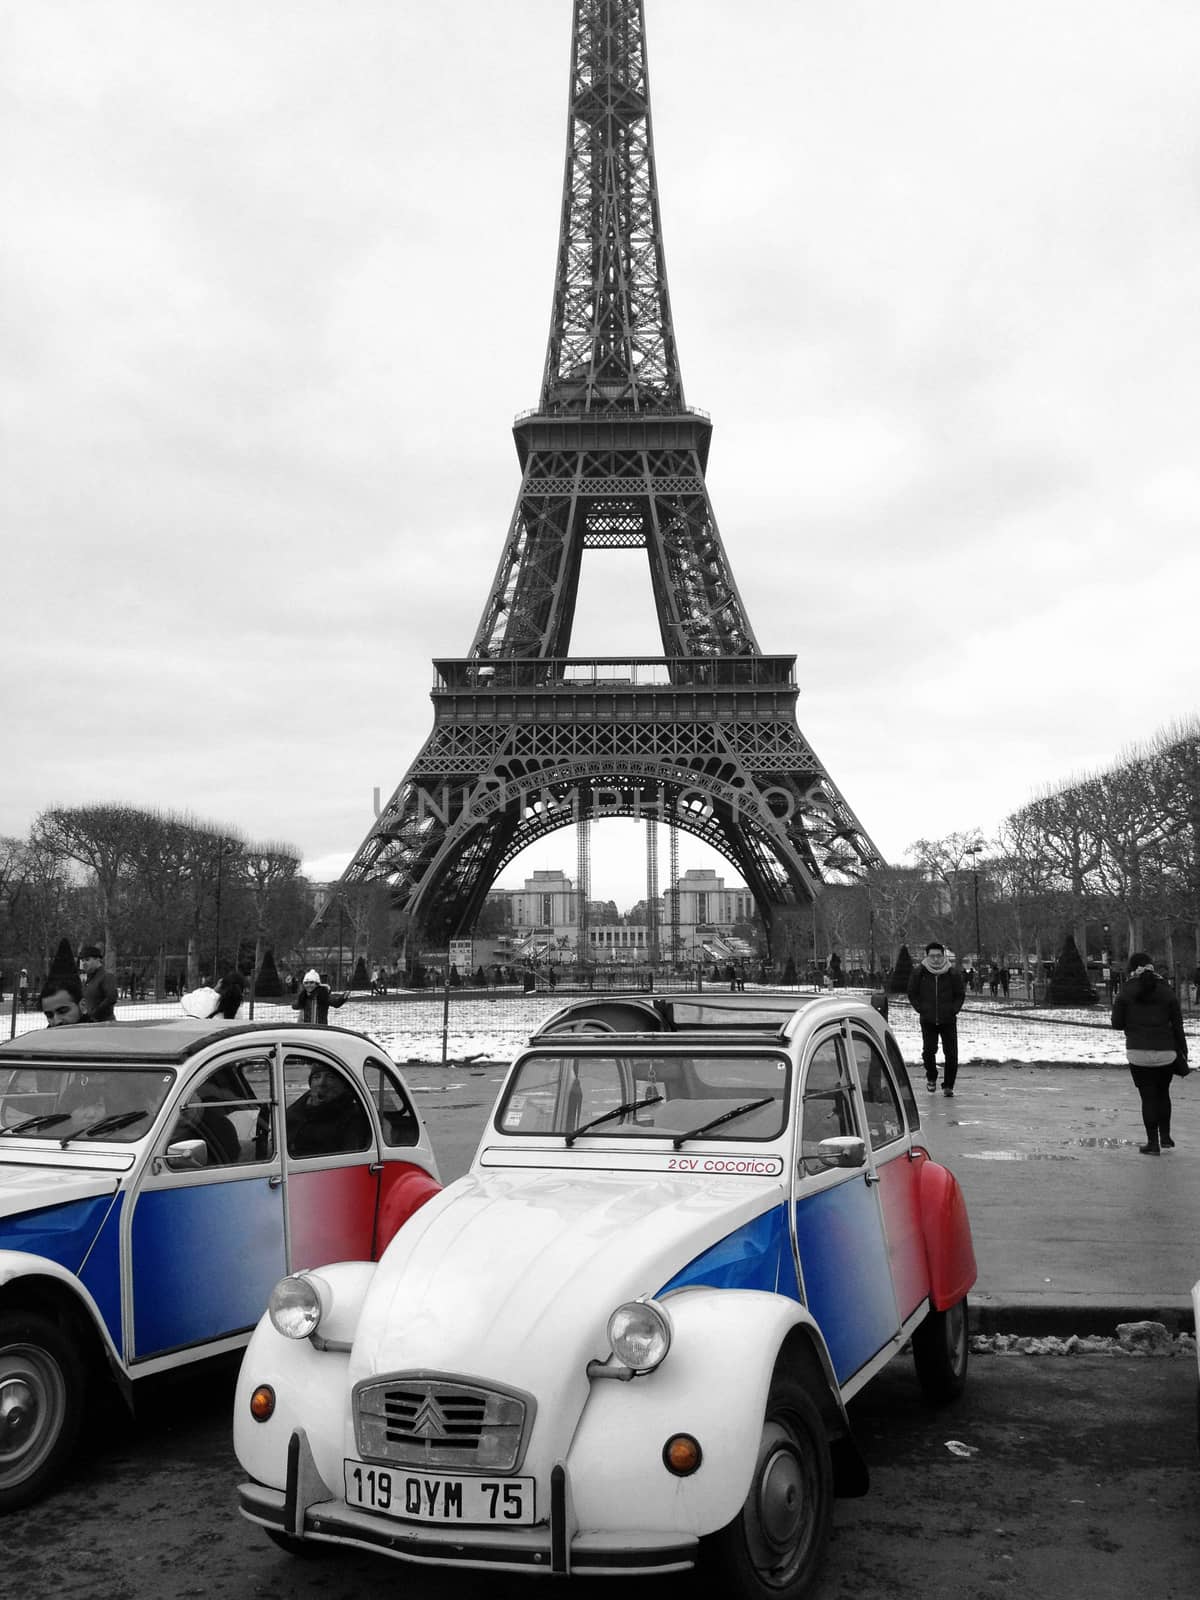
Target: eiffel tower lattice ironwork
<point x="527" y="739"/>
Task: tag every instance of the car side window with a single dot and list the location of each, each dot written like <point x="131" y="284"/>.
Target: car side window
<point x="228" y="1111"/>
<point x="324" y="1112"/>
<point x="396" y="1115"/>
<point x="900" y="1072"/>
<point x="881" y="1105"/>
<point x="828" y="1107"/>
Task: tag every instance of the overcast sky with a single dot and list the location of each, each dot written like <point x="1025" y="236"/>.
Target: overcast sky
<point x="276" y="277"/>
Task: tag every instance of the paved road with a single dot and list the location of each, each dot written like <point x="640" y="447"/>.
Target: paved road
<point x="1081" y="1481"/>
<point x="1080" y="1477"/>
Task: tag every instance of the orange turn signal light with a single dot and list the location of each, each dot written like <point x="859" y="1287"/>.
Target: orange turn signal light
<point x="682" y="1454"/>
<point x="262" y="1403"/>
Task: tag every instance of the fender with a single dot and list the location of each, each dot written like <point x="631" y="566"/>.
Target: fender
<point x="713" y="1384"/>
<point x="312" y="1392"/>
<point x="404" y="1188"/>
<point x="16" y="1265"/>
<point x="948" y="1247"/>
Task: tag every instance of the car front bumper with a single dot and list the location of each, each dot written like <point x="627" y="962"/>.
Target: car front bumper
<point x="306" y="1510"/>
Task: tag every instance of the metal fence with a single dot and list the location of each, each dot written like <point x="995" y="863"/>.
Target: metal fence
<point x="474" y="1023"/>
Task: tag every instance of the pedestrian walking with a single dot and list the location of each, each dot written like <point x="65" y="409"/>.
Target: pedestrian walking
<point x="994" y="980"/>
<point x="1148" y="1011"/>
<point x="936" y="993"/>
<point x="99" y="987"/>
<point x="23" y="989"/>
<point x="1004" y="977"/>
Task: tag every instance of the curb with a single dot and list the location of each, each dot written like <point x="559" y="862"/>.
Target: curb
<point x="1086" y="1314"/>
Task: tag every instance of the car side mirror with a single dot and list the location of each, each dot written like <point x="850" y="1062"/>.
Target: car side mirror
<point x="187" y="1153"/>
<point x="846" y="1150"/>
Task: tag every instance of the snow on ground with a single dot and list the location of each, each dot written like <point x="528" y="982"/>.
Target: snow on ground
<point x="494" y="1026"/>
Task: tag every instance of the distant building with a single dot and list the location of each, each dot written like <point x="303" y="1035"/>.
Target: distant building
<point x="543" y="920"/>
<point x="706" y="916"/>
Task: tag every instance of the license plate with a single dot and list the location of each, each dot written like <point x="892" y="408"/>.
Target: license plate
<point x="430" y="1497"/>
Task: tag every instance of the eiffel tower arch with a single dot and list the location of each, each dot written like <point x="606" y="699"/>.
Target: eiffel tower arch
<point x="527" y="738"/>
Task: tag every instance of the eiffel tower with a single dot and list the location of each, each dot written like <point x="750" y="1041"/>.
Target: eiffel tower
<point x="528" y="739"/>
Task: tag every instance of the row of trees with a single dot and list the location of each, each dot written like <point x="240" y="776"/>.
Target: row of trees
<point x="156" y="890"/>
<point x="1111" y="861"/>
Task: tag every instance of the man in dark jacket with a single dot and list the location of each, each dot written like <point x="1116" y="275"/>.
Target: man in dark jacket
<point x="936" y="993"/>
<point x="100" y="992"/>
<point x="314" y="998"/>
<point x="328" y="1118"/>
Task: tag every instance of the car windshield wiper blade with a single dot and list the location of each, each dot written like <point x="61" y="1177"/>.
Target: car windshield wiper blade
<point x="617" y="1111"/>
<point x="46" y="1120"/>
<point x="119" y="1119"/>
<point x="726" y="1116"/>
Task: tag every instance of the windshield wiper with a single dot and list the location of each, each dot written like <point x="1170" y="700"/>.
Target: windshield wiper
<point x="46" y="1120"/>
<point x="726" y="1116"/>
<point x="617" y="1111"/>
<point x="119" y="1119"/>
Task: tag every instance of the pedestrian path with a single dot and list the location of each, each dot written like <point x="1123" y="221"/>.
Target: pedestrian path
<point x="1074" y="1229"/>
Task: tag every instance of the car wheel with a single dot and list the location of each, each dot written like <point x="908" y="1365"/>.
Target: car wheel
<point x="940" y="1351"/>
<point x="775" y="1545"/>
<point x="41" y="1405"/>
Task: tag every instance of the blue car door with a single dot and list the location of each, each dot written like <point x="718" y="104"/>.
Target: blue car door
<point x="840" y="1242"/>
<point x="206" y="1240"/>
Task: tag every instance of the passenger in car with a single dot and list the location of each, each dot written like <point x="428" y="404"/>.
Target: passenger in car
<point x="328" y="1118"/>
<point x="200" y="1119"/>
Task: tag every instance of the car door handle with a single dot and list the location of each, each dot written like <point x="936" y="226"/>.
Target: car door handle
<point x="870" y="1177"/>
<point x="274" y="1181"/>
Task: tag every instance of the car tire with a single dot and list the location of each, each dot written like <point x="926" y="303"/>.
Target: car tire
<point x="941" y="1350"/>
<point x="774" y="1547"/>
<point x="41" y="1405"/>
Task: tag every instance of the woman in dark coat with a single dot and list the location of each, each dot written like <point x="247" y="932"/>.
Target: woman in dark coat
<point x="1148" y="1011"/>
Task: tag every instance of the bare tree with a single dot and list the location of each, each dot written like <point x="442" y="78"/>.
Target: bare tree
<point x="899" y="899"/>
<point x="269" y="869"/>
<point x="102" y="839"/>
<point x="161" y="863"/>
<point x="949" y="865"/>
<point x="1065" y="820"/>
<point x="1174" y="778"/>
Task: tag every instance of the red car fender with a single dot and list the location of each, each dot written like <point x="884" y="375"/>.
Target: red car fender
<point x="403" y="1189"/>
<point x="948" y="1248"/>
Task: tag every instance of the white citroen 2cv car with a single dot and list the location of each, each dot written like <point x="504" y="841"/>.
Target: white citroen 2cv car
<point x="623" y="1342"/>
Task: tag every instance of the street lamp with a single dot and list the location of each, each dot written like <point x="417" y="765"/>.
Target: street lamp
<point x="227" y="847"/>
<point x="973" y="851"/>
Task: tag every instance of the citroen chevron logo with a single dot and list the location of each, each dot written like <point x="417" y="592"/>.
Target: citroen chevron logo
<point x="429" y="1423"/>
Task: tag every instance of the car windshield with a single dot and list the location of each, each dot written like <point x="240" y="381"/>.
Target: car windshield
<point x="585" y="1095"/>
<point x="112" y="1104"/>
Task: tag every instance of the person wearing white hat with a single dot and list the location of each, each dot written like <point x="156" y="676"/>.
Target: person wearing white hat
<point x="314" y="998"/>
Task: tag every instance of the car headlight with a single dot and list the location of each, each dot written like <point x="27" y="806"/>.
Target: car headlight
<point x="640" y="1334"/>
<point x="295" y="1307"/>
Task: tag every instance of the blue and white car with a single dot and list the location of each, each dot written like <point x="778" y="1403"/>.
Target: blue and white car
<point x="154" y="1186"/>
<point x="624" y="1341"/>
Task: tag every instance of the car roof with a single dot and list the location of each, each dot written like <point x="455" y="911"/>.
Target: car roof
<point x="737" y="1016"/>
<point x="173" y="1039"/>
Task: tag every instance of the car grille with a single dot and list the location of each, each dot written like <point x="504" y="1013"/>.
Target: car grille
<point x="425" y="1420"/>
